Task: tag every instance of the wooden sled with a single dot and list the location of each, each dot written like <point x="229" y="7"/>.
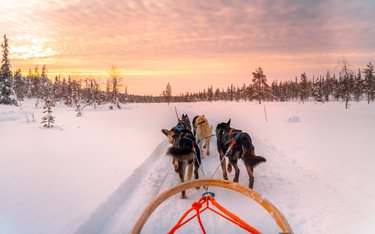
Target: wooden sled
<point x="268" y="206"/>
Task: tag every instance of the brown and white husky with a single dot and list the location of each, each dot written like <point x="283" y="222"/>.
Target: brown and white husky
<point x="203" y="133"/>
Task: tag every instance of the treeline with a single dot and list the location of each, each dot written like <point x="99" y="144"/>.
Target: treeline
<point x="347" y="86"/>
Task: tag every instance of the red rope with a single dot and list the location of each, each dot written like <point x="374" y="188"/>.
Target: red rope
<point x="196" y="206"/>
<point x="175" y="109"/>
<point x="235" y="218"/>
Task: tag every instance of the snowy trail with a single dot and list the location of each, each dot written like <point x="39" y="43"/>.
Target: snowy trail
<point x="119" y="213"/>
<point x="289" y="181"/>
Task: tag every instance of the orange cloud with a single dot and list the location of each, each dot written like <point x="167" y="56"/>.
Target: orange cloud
<point x="220" y="42"/>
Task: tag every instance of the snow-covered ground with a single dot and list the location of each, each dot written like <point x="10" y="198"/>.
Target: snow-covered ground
<point x="96" y="174"/>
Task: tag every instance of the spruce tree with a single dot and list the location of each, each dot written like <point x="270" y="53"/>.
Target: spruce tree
<point x="327" y="86"/>
<point x="217" y="94"/>
<point x="167" y="93"/>
<point x="317" y="90"/>
<point x="36" y="85"/>
<point x="20" y="85"/>
<point x="304" y="91"/>
<point x="260" y="85"/>
<point x="369" y="82"/>
<point x="29" y="84"/>
<point x="48" y="120"/>
<point x="7" y="94"/>
<point x="358" y="86"/>
<point x="346" y="84"/>
<point x="46" y="85"/>
<point x="210" y="93"/>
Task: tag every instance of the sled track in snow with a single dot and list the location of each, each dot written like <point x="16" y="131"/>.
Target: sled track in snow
<point x="157" y="162"/>
<point x="120" y="211"/>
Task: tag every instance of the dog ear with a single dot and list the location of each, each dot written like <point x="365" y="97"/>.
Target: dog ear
<point x="165" y="131"/>
<point x="229" y="122"/>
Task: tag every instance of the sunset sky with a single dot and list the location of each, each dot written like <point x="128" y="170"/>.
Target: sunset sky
<point x="191" y="44"/>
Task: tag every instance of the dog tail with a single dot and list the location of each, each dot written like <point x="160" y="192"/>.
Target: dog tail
<point x="255" y="160"/>
<point x="181" y="153"/>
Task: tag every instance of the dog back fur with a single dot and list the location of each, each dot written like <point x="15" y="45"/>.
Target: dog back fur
<point x="184" y="146"/>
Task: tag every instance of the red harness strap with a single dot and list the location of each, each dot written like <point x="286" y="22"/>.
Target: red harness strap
<point x="206" y="200"/>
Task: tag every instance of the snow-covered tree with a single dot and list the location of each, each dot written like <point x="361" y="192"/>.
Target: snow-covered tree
<point x="260" y="85"/>
<point x="48" y="120"/>
<point x="210" y="93"/>
<point x="317" y="90"/>
<point x="56" y="90"/>
<point x="167" y="93"/>
<point x="346" y="86"/>
<point x="358" y="86"/>
<point x="7" y="94"/>
<point x="217" y="94"/>
<point x="46" y="85"/>
<point x="369" y="82"/>
<point x="20" y="85"/>
<point x="29" y="84"/>
<point x="36" y="89"/>
<point x="67" y="87"/>
<point x="304" y="85"/>
<point x="327" y="86"/>
<point x="77" y="97"/>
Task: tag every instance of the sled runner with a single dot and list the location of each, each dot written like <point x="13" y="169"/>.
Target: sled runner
<point x="207" y="200"/>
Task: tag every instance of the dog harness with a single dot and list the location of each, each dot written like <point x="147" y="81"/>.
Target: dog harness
<point x="179" y="127"/>
<point x="233" y="138"/>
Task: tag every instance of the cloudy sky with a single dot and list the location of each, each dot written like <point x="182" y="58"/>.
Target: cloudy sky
<point x="191" y="44"/>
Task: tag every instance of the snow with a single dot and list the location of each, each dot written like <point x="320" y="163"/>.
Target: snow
<point x="96" y="174"/>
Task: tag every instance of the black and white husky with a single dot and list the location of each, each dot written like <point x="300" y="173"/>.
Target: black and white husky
<point x="243" y="148"/>
<point x="185" y="153"/>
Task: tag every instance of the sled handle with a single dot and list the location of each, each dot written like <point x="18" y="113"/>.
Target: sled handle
<point x="268" y="206"/>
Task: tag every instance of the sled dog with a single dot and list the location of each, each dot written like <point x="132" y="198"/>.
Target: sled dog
<point x="185" y="153"/>
<point x="202" y="132"/>
<point x="243" y="148"/>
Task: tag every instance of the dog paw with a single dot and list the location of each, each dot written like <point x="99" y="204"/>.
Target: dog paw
<point x="197" y="188"/>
